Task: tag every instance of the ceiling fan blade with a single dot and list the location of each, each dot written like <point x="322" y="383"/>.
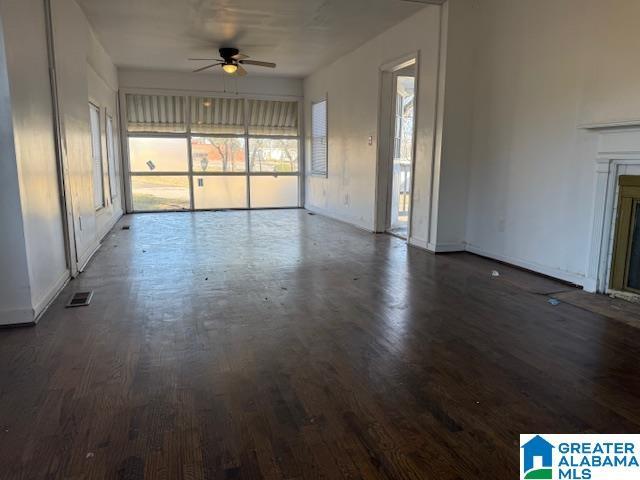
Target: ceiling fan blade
<point x="200" y="59"/>
<point x="205" y="67"/>
<point x="258" y="63"/>
<point x="240" y="72"/>
<point x="240" y="56"/>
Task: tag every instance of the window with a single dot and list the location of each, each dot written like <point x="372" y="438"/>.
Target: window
<point x="274" y="191"/>
<point x="319" y="159"/>
<point x="160" y="192"/>
<point x="96" y="156"/>
<point x="155" y="155"/>
<point x="111" y="154"/>
<point x="273" y="155"/>
<point x="220" y="191"/>
<point x="204" y="152"/>
<point x="218" y="154"/>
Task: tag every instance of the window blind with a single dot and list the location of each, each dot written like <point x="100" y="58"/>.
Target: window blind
<point x="319" y="158"/>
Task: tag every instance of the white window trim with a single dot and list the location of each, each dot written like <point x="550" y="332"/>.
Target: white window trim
<point x="125" y="134"/>
<point x="93" y="160"/>
<point x="112" y="157"/>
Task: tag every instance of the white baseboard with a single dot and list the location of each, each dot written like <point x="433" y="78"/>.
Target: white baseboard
<point x="41" y="306"/>
<point x="84" y="260"/>
<point x="418" y="242"/>
<point x="110" y="224"/>
<point x="82" y="263"/>
<point x="17" y="316"/>
<point x="340" y="218"/>
<point x="446" y="247"/>
<point x="574" y="278"/>
<point x="590" y="285"/>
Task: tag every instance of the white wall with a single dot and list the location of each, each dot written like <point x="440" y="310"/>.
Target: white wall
<point x="15" y="293"/>
<point x="352" y="84"/>
<point x="102" y="78"/>
<point x="453" y="131"/>
<point x="32" y="227"/>
<point x="84" y="73"/>
<point x="543" y="68"/>
<point x="27" y="63"/>
<point x="513" y="172"/>
<point x="209" y="82"/>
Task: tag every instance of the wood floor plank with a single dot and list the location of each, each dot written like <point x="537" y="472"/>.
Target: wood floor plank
<point x="280" y="345"/>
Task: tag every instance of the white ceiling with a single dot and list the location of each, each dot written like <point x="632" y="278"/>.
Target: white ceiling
<point x="299" y="35"/>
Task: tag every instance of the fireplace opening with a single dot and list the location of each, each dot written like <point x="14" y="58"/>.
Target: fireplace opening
<point x="625" y="262"/>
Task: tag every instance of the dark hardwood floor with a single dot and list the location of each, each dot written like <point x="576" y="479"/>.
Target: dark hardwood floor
<point x="280" y="345"/>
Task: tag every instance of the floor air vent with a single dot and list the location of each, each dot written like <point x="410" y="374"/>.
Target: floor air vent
<point x="80" y="299"/>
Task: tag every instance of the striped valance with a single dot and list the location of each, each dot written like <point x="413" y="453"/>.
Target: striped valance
<point x="167" y="113"/>
<point x="217" y="115"/>
<point x="270" y="117"/>
<point x="156" y="113"/>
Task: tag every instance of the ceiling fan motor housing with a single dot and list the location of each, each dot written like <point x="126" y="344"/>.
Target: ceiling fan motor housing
<point x="227" y="53"/>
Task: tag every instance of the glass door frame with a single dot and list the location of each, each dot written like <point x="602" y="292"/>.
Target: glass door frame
<point x="396" y="72"/>
<point x="188" y="136"/>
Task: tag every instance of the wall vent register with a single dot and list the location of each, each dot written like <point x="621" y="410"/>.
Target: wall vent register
<point x="80" y="299"/>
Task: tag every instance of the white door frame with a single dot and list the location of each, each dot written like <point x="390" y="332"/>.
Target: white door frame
<point x="62" y="165"/>
<point x="386" y="124"/>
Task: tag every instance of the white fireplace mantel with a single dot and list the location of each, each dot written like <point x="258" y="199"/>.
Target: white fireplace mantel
<point x="618" y="151"/>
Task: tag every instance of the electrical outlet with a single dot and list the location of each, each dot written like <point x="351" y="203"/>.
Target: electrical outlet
<point x="370" y="139"/>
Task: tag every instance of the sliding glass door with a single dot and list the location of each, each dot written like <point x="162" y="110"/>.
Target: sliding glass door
<point x="204" y="153"/>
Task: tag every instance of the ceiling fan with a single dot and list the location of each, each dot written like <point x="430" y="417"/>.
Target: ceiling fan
<point x="232" y="61"/>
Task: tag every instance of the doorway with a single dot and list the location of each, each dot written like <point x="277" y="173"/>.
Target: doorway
<point x="402" y="152"/>
<point x="396" y="146"/>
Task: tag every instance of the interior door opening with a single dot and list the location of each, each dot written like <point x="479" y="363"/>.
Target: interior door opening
<point x="400" y="179"/>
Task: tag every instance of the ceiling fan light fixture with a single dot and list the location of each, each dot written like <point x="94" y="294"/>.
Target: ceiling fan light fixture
<point x="230" y="68"/>
<point x="232" y="63"/>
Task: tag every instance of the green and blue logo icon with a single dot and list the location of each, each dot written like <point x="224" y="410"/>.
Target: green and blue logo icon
<point x="537" y="459"/>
